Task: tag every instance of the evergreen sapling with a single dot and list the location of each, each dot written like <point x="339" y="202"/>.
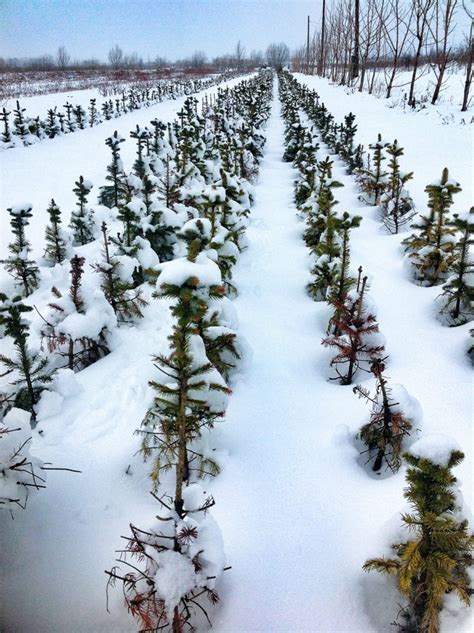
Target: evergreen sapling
<point x="22" y="269"/>
<point x="436" y="557"/>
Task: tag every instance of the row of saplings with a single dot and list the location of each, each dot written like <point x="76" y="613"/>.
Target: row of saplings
<point x="180" y="217"/>
<point x="21" y="129"/>
<point x="435" y="559"/>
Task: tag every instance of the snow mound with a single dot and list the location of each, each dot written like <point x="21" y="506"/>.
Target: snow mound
<point x="436" y="447"/>
<point x="174" y="578"/>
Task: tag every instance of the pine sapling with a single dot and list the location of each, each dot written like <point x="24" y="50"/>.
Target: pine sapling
<point x="126" y="300"/>
<point x="170" y="570"/>
<point x="343" y="280"/>
<point x="431" y="249"/>
<point x="396" y="205"/>
<point x="435" y="559"/>
<point x="373" y="179"/>
<point x="31" y="370"/>
<point x="357" y="343"/>
<point x="22" y="269"/>
<point x="457" y="298"/>
<point x="56" y="247"/>
<point x="21" y="128"/>
<point x="6" y="134"/>
<point x="387" y="428"/>
<point x="82" y="222"/>
<point x="113" y="195"/>
<point x="78" y="351"/>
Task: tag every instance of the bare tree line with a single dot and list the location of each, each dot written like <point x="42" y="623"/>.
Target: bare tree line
<point x="358" y="39"/>
<point x="275" y="55"/>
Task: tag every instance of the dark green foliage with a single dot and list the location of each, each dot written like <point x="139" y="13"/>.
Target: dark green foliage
<point x="82" y="222"/>
<point x="6" y="134"/>
<point x="55" y="251"/>
<point x="436" y="558"/>
<point x="316" y="218"/>
<point x="93" y="114"/>
<point x="31" y="371"/>
<point x="142" y="136"/>
<point x="22" y="269"/>
<point x="372" y="179"/>
<point x="114" y="195"/>
<point x="431" y="249"/>
<point x="168" y="184"/>
<point x="181" y="409"/>
<point x="396" y="204"/>
<point x="458" y="292"/>
<point x="52" y="127"/>
<point x="80" y="117"/>
<point x="76" y="352"/>
<point x="126" y="300"/>
<point x="21" y="128"/>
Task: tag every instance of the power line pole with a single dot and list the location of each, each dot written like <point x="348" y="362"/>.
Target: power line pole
<point x="323" y="35"/>
<point x="307" y="49"/>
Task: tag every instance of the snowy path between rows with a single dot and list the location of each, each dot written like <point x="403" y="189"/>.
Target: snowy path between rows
<point x="292" y="503"/>
<point x="299" y="514"/>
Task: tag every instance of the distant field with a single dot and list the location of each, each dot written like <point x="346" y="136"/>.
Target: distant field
<point x="33" y="83"/>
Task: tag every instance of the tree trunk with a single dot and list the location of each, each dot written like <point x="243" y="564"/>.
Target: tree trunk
<point x="467" y="83"/>
<point x="411" y="98"/>
<point x="439" y="82"/>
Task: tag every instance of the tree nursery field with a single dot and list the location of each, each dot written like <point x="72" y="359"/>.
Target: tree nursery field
<point x="236" y="353"/>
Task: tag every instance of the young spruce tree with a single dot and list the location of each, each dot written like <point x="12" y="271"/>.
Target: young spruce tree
<point x="387" y="428"/>
<point x="82" y="222"/>
<point x="457" y="298"/>
<point x="435" y="559"/>
<point x="431" y="249"/>
<point x="32" y="371"/>
<point x="55" y="251"/>
<point x="22" y="269"/>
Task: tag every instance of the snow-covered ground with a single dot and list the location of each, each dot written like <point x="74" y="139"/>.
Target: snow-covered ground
<point x="429" y="144"/>
<point x="447" y="109"/>
<point x="298" y="512"/>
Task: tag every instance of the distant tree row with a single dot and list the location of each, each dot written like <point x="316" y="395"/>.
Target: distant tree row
<point x="276" y="55"/>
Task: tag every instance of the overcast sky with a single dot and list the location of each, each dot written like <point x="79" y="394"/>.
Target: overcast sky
<point x="169" y="28"/>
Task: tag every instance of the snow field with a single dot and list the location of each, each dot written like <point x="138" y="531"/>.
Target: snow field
<point x="20" y="127"/>
<point x="299" y="513"/>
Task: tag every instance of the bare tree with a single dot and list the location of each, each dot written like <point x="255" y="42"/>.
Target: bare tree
<point x="441" y="31"/>
<point x="62" y="57"/>
<point x="239" y="55"/>
<point x="469" y="60"/>
<point x="278" y="55"/>
<point x="370" y="27"/>
<point x="198" y="59"/>
<point x="256" y="58"/>
<point x="422" y="11"/>
<point x="116" y="57"/>
<point x="356" y="51"/>
<point x="396" y="25"/>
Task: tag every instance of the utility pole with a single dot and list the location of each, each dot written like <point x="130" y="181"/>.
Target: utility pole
<point x="355" y="55"/>
<point x="307" y="49"/>
<point x="323" y="35"/>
